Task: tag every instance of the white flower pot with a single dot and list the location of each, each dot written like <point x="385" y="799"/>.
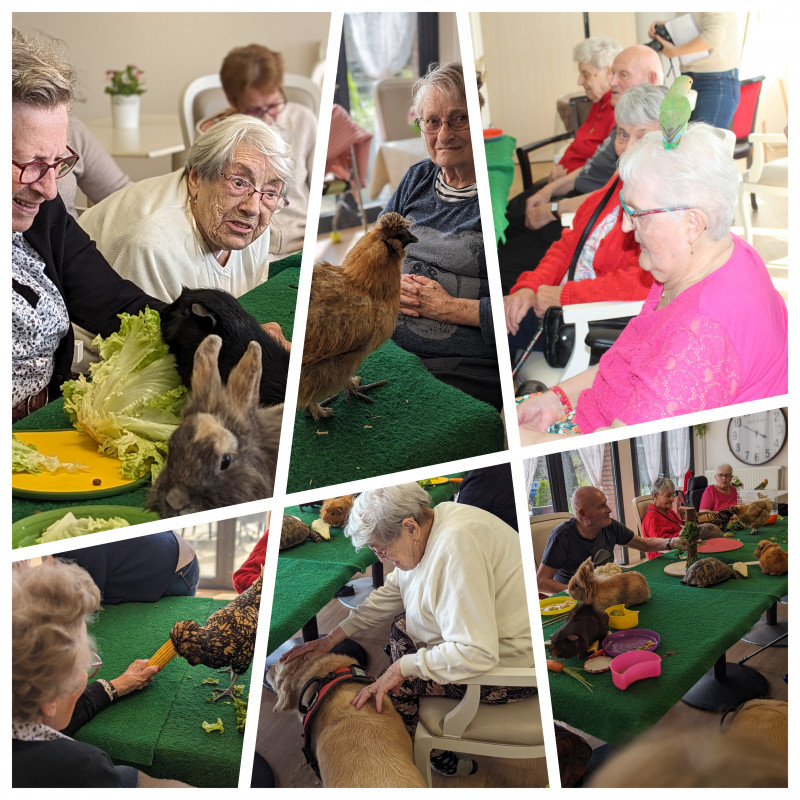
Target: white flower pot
<point x="125" y="110"/>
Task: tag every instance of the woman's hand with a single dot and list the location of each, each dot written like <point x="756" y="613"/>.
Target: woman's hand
<point x="538" y="216"/>
<point x="651" y="32"/>
<point x="516" y="306"/>
<point x="546" y="296"/>
<point x="388" y="681"/>
<point x="423" y="297"/>
<point x="316" y="647"/>
<point x="557" y="172"/>
<point x="274" y="330"/>
<point x="540" y="411"/>
<point x="136" y="677"/>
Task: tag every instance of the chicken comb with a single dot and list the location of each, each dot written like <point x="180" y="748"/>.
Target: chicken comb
<point x="163" y="655"/>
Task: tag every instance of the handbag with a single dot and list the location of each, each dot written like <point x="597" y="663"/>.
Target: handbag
<point x="558" y="337"/>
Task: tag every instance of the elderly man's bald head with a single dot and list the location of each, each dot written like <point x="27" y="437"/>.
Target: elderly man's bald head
<point x="584" y="496"/>
<point x="632" y="66"/>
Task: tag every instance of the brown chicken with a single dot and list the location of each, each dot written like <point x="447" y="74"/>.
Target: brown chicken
<point x="352" y="310"/>
<point x="754" y="514"/>
<point x="226" y="640"/>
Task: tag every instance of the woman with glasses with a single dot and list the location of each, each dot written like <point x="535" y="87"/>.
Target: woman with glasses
<point x="722" y="493"/>
<point x="713" y="330"/>
<point x="58" y="276"/>
<point x="51" y="663"/>
<point x="453" y="607"/>
<point x="445" y="310"/>
<point x="206" y="226"/>
<point x="252" y="79"/>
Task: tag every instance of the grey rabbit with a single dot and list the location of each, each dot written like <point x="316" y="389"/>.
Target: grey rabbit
<point x="584" y="626"/>
<point x="226" y="448"/>
<point x="603" y="591"/>
<point x="196" y="313"/>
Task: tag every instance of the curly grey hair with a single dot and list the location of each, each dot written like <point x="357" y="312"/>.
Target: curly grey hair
<point x="447" y="78"/>
<point x="376" y="517"/>
<point x="639" y="105"/>
<point x="41" y="75"/>
<point x="662" y="484"/>
<point x="699" y="173"/>
<point x="214" y="151"/>
<point x="599" y="51"/>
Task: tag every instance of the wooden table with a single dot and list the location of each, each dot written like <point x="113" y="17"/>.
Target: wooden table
<point x="696" y="627"/>
<point x="393" y="160"/>
<point x="156" y="135"/>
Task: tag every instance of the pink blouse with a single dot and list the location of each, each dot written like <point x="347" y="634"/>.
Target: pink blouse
<point x="722" y="341"/>
<point x="715" y="500"/>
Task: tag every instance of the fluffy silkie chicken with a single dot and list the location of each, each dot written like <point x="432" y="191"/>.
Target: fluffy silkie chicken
<point x="227" y="639"/>
<point x="352" y="310"/>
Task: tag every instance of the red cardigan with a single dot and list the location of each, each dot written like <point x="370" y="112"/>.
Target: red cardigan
<point x="618" y="275"/>
<point x="251" y="568"/>
<point x="590" y="135"/>
<point x="655" y="525"/>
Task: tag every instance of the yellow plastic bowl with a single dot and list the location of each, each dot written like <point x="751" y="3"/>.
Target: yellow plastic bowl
<point x="628" y="619"/>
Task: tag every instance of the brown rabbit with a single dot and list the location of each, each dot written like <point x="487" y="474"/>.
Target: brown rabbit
<point x="603" y="591"/>
<point x="226" y="448"/>
<point x="772" y="558"/>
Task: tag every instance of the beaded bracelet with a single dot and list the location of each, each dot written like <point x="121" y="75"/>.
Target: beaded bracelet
<point x="562" y="396"/>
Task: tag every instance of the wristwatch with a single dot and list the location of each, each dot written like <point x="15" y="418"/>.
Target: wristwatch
<point x="554" y="209"/>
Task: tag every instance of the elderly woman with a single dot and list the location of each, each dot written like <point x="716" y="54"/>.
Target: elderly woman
<point x="693" y="346"/>
<point x="51" y="661"/>
<point x="607" y="266"/>
<point x="58" y="276"/>
<point x="252" y="79"/>
<point x="660" y="520"/>
<point x="445" y="309"/>
<point x="205" y="226"/>
<point x="723" y="493"/>
<point x="457" y="587"/>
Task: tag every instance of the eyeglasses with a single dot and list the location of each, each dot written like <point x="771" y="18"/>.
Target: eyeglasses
<point x="33" y="171"/>
<point x="241" y="187"/>
<point x="434" y="125"/>
<point x="723" y="475"/>
<point x="97" y="662"/>
<point x="382" y="552"/>
<point x="272" y="110"/>
<point x="632" y="215"/>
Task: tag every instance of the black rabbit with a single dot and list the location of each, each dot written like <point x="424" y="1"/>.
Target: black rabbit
<point x="584" y="626"/>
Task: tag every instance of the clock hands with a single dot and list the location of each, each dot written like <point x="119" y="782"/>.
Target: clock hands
<point x="753" y="430"/>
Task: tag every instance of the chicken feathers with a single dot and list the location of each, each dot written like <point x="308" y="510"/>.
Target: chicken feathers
<point x="352" y="310"/>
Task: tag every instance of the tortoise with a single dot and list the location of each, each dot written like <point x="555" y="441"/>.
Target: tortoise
<point x="706" y="572"/>
<point x="294" y="531"/>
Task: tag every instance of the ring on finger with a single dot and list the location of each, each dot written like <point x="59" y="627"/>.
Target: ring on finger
<point x="370" y="690"/>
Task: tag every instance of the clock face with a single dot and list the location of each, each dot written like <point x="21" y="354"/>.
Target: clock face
<point x="757" y="438"/>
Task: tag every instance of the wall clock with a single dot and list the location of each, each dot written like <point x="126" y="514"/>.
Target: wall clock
<point x="757" y="438"/>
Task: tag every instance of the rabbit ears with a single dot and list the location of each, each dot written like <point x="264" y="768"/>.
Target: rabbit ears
<point x="241" y="393"/>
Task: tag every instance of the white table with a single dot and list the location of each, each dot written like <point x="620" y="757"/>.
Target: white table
<point x="157" y="135"/>
<point x="392" y="162"/>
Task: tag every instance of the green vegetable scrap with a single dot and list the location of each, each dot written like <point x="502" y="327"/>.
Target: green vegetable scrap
<point x="241" y="711"/>
<point x="213" y="681"/>
<point x="26" y="458"/>
<point x="216" y="726"/>
<point x="134" y="400"/>
<point x="70" y="526"/>
<point x="735" y="525"/>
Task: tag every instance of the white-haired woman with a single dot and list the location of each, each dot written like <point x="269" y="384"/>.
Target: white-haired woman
<point x="713" y="330"/>
<point x="660" y="520"/>
<point x="445" y="308"/>
<point x="51" y="662"/>
<point x="722" y="493"/>
<point x="455" y="603"/>
<point x="205" y="226"/>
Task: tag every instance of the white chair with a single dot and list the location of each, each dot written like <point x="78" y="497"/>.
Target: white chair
<point x="762" y="178"/>
<point x="513" y="730"/>
<point x="640" y="505"/>
<point x="204" y="96"/>
<point x="392" y="98"/>
<point x="541" y="527"/>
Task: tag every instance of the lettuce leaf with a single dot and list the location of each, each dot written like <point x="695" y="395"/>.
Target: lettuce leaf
<point x="26" y="458"/>
<point x="133" y="402"/>
<point x="69" y="526"/>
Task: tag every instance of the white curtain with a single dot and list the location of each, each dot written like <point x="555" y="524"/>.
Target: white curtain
<point x="530" y="471"/>
<point x="383" y="40"/>
<point x="678" y="453"/>
<point x="652" y="455"/>
<point x="592" y="458"/>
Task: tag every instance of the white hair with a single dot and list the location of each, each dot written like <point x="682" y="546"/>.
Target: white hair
<point x="599" y="51"/>
<point x="699" y="173"/>
<point x="446" y="78"/>
<point x="377" y="514"/>
<point x="640" y="105"/>
<point x="662" y="484"/>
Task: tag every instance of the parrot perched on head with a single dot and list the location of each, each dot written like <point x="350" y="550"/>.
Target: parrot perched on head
<point x="675" y="112"/>
<point x="763" y="484"/>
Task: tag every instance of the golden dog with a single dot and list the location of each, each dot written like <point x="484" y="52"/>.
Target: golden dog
<point x="354" y="747"/>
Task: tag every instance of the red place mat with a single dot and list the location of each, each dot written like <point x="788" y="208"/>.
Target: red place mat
<point x="719" y="545"/>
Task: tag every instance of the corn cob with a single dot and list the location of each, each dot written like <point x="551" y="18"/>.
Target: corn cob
<point x="163" y="655"/>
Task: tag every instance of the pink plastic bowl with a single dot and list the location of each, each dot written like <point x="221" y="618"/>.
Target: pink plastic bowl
<point x="633" y="666"/>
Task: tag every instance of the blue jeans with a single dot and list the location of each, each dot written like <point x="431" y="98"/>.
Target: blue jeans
<point x="717" y="96"/>
<point x="184" y="581"/>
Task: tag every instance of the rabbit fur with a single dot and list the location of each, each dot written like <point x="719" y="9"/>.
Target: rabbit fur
<point x="226" y="448"/>
<point x="584" y="626"/>
<point x="772" y="558"/>
<point x="196" y="313"/>
<point x="629" y="588"/>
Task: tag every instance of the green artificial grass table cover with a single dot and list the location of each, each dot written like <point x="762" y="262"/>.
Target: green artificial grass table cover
<point x="696" y="627"/>
<point x="159" y="729"/>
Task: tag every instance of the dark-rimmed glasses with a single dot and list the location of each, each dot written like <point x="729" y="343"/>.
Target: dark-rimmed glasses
<point x="434" y="125"/>
<point x="241" y="187"/>
<point x="272" y="110"/>
<point x="33" y="171"/>
<point x="632" y="215"/>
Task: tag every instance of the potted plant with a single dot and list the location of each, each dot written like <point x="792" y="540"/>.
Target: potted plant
<point x="125" y="87"/>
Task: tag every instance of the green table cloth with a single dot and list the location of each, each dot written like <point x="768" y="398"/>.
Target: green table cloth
<point x="159" y="729"/>
<point x="500" y="164"/>
<point x="696" y="627"/>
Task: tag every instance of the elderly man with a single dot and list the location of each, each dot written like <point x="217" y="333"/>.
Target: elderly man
<point x="528" y="237"/>
<point x="592" y="533"/>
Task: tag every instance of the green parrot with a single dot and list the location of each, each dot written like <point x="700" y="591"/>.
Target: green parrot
<point x="675" y="112"/>
<point x="763" y="484"/>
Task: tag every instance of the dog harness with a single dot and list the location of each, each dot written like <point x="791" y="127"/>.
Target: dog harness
<point x="321" y="688"/>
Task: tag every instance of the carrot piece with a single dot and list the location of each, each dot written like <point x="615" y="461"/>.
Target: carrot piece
<point x="554" y="666"/>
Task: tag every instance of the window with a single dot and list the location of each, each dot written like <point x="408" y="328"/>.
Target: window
<point x="669" y="453"/>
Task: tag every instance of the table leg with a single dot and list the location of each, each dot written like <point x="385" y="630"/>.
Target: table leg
<point x="310" y="630"/>
<point x="726" y="685"/>
<point x="769" y="629"/>
<point x="377" y="574"/>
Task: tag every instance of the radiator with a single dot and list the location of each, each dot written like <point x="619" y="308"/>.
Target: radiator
<point x="752" y="476"/>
